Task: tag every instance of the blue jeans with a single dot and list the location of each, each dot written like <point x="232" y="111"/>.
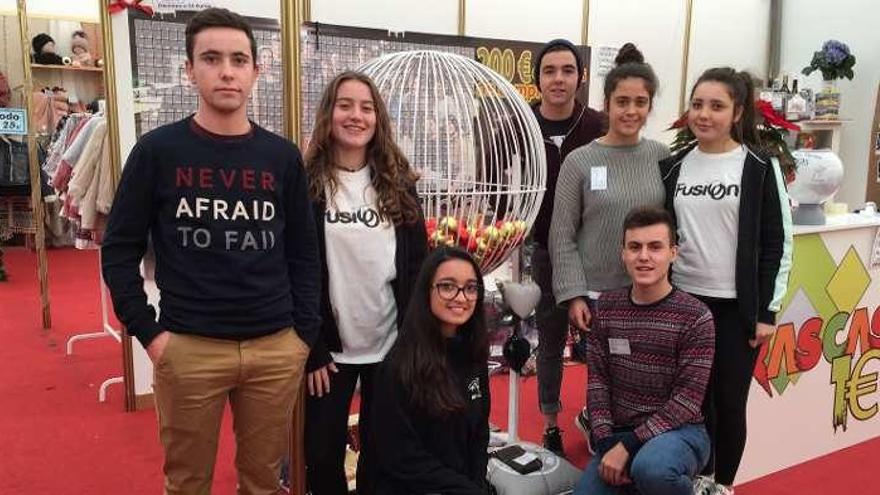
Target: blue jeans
<point x="665" y="465"/>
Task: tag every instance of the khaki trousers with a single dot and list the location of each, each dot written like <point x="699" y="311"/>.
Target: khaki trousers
<point x="192" y="381"/>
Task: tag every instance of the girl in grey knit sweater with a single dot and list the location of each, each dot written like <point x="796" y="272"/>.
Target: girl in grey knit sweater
<point x="598" y="184"/>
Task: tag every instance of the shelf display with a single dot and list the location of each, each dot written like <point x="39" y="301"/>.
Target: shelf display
<point x="44" y="50"/>
<point x="96" y="70"/>
<point x="872" y="182"/>
<point x="818" y="134"/>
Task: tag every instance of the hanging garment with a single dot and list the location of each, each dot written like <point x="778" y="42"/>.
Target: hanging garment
<point x="13" y="163"/>
<point x="72" y="154"/>
<point x="41" y="115"/>
<point x="5" y="92"/>
<point x="61" y="141"/>
<point x="60" y="107"/>
<point x="88" y="174"/>
<point x="59" y="231"/>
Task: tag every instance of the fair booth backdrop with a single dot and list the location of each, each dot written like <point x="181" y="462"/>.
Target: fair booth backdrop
<point x="789" y="426"/>
<point x="813" y="394"/>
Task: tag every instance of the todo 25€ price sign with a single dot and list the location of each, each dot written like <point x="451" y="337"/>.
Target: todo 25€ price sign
<point x="13" y="121"/>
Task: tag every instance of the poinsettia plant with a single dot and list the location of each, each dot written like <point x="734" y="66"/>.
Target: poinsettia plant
<point x="772" y="129"/>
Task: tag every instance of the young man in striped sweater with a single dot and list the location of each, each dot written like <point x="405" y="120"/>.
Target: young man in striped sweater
<point x="649" y="356"/>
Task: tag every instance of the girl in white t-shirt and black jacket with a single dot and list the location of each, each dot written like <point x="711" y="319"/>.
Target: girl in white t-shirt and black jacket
<point x="735" y="237"/>
<point x="372" y="243"/>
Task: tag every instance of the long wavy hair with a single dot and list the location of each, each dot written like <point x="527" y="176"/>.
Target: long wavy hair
<point x="418" y="358"/>
<point x="392" y="175"/>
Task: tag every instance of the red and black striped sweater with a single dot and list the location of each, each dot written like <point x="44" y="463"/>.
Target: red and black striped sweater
<point x="648" y="365"/>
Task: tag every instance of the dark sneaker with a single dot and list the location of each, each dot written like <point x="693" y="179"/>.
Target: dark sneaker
<point x="553" y="441"/>
<point x="583" y="424"/>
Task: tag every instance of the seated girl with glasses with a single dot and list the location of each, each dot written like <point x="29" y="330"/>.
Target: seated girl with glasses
<point x="431" y="397"/>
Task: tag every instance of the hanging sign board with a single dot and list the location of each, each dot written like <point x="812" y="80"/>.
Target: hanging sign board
<point x="606" y="56"/>
<point x="328" y="49"/>
<point x="13" y="121"/>
<point x="268" y="9"/>
<point x="171" y="6"/>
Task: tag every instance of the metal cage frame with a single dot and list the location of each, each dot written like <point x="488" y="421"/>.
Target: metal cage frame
<point x="475" y="143"/>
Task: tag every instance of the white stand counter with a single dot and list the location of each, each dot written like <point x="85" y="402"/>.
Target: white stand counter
<point x="815" y="387"/>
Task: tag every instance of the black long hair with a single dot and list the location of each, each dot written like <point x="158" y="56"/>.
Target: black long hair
<point x="630" y="62"/>
<point x="741" y="88"/>
<point x="418" y="358"/>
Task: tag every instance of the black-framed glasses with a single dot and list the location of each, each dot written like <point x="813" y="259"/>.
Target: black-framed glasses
<point x="449" y="290"/>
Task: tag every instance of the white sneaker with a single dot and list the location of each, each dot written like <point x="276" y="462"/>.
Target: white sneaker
<point x="704" y="485"/>
<point x="583" y="424"/>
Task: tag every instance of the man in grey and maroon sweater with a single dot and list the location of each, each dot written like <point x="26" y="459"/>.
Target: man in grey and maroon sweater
<point x="649" y="357"/>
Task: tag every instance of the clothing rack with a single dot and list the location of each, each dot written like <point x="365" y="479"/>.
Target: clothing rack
<point x="107" y="330"/>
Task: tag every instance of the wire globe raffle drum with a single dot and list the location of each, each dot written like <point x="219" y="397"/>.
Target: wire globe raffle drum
<point x="475" y="144"/>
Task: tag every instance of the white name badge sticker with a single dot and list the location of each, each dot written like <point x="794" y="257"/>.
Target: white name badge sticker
<point x="619" y="346"/>
<point x="598" y="178"/>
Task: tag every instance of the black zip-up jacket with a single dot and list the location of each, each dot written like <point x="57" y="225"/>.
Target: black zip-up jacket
<point x="588" y="126"/>
<point x="410" y="252"/>
<point x="428" y="454"/>
<point x="764" y="236"/>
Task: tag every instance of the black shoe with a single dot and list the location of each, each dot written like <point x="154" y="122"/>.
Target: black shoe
<point x="553" y="441"/>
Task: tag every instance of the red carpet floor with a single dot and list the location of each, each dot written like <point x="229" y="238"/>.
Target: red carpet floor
<point x="56" y="438"/>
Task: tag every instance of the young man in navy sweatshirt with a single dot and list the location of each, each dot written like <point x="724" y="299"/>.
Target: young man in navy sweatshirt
<point x="224" y="203"/>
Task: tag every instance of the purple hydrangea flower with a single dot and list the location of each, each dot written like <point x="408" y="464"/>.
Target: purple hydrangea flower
<point x="835" y="52"/>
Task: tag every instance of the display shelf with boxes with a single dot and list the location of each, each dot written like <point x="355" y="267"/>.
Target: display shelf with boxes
<point x="819" y="134"/>
<point x="872" y="184"/>
<point x="41" y="67"/>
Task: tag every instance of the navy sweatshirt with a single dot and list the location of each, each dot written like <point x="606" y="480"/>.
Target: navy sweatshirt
<point x="233" y="232"/>
<point x="428" y="454"/>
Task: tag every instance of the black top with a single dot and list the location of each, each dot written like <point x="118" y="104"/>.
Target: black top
<point x="232" y="229"/>
<point x="410" y="252"/>
<point x="427" y="454"/>
<point x="551" y="128"/>
<point x="584" y="126"/>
